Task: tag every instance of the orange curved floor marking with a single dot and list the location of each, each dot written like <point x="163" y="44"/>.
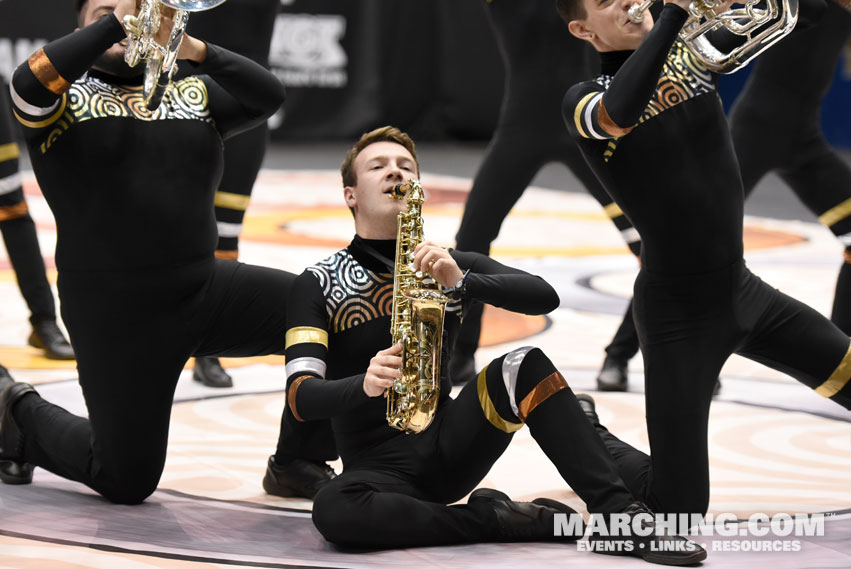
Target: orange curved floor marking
<point x="760" y="238"/>
<point x="25" y="357"/>
<point x="500" y="326"/>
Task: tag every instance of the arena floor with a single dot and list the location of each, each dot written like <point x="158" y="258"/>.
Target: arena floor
<point x="775" y="446"/>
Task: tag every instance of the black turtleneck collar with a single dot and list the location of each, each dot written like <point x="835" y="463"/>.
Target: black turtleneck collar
<point x="377" y="255"/>
<point x="611" y="61"/>
<point x="116" y="80"/>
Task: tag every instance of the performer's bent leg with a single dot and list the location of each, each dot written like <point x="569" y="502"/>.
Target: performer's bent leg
<point x="757" y="150"/>
<point x="243" y="158"/>
<point x="17" y="226"/>
<point x="248" y="305"/>
<point x="524" y="386"/>
<point x="822" y="180"/>
<point x="686" y="336"/>
<point x="505" y="173"/>
<point x="364" y="508"/>
<point x="308" y="440"/>
<point x="250" y="320"/>
<point x="119" y="451"/>
<point x="795" y="339"/>
<point x="679" y="380"/>
<point x="21" y="241"/>
<point x="841" y="313"/>
<point x="624" y="345"/>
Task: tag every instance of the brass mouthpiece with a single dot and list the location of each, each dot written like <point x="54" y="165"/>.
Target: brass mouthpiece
<point x="636" y="11"/>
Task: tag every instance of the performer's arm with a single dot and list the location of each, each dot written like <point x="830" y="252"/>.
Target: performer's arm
<point x="39" y="83"/>
<point x="485" y="280"/>
<point x="309" y="395"/>
<point x="591" y="112"/>
<point x="496" y="284"/>
<point x="242" y="93"/>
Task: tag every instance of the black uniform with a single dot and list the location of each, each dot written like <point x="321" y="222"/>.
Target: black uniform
<point x="394" y="487"/>
<point x="243" y="27"/>
<point x="132" y="193"/>
<point x="542" y="59"/>
<point x="653" y="130"/>
<point x="17" y="226"/>
<point x="775" y="124"/>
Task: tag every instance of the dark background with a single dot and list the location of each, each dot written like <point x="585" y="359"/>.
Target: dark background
<point x="346" y="63"/>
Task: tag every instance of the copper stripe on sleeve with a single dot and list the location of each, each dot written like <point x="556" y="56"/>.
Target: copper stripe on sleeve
<point x="46" y="74"/>
<point x="291" y="397"/>
<point x="13" y="211"/>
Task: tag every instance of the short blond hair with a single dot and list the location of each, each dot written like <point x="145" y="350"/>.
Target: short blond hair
<point x="383" y="134"/>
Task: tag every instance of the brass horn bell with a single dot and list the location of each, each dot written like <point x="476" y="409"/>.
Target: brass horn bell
<point x="142" y="45"/>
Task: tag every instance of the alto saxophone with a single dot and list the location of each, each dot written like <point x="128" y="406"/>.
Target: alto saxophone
<point x="417" y="324"/>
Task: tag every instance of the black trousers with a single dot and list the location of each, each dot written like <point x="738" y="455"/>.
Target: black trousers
<point x="688" y="327"/>
<point x="783" y="133"/>
<point x="16" y="225"/>
<point x="395" y="494"/>
<point x="132" y="333"/>
<point x="243" y="159"/>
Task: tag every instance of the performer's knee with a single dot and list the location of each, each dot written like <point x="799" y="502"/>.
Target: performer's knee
<point x="126" y="479"/>
<point x="511" y="387"/>
<point x="335" y="516"/>
<point x="129" y="491"/>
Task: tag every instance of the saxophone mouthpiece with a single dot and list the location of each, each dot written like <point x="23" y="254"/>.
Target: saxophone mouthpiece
<point x="398" y="192"/>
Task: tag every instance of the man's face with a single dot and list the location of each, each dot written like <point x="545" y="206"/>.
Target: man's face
<point x="607" y="25"/>
<point x="112" y="60"/>
<point x="378" y="168"/>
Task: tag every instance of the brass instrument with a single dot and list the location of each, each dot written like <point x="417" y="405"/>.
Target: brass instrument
<point x="417" y="323"/>
<point x="760" y="23"/>
<point x="160" y="60"/>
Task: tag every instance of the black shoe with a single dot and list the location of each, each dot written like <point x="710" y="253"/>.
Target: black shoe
<point x="589" y="407"/>
<point x="612" y="376"/>
<point x="210" y="372"/>
<point x="47" y="336"/>
<point x="661" y="549"/>
<point x="12" y="469"/>
<point x="462" y="368"/>
<point x="298" y="478"/>
<point x="526" y="521"/>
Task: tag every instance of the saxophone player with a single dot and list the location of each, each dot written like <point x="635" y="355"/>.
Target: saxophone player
<point x="395" y="487"/>
<point x="652" y="128"/>
<point x="132" y="194"/>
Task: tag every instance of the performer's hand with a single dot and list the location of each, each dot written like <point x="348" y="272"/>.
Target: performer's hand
<point x="125" y="8"/>
<point x="190" y="48"/>
<point x="438" y="263"/>
<point x="382" y="371"/>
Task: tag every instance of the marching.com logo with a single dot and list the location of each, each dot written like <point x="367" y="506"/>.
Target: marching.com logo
<point x="625" y="526"/>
